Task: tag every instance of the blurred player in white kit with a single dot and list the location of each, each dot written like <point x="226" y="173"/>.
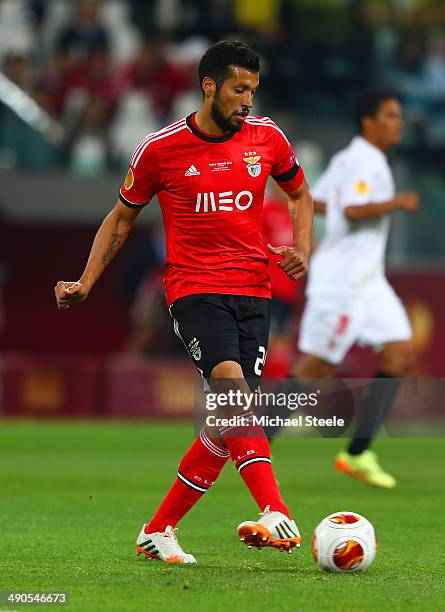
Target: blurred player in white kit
<point x="349" y="297"/>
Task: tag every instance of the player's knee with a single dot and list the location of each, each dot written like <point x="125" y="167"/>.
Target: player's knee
<point x="227" y="380"/>
<point x="227" y="369"/>
<point x="313" y="367"/>
<point x="399" y="360"/>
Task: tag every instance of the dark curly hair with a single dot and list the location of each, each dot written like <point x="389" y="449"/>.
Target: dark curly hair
<point x="218" y="59"/>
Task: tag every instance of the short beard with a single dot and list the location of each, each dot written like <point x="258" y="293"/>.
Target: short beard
<point x="220" y="120"/>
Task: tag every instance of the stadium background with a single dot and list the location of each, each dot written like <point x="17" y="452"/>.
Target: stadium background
<point x="75" y="484"/>
<point x="82" y="82"/>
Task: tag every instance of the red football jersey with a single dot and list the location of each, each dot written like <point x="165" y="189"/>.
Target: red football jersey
<point x="211" y="190"/>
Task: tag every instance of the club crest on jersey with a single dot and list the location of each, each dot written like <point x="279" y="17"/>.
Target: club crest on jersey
<point x="253" y="167"/>
<point x="195" y="349"/>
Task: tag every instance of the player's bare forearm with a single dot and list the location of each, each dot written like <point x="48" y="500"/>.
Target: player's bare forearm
<point x="408" y="202"/>
<point x="109" y="239"/>
<point x="370" y="211"/>
<point x="301" y="212"/>
<point x="294" y="262"/>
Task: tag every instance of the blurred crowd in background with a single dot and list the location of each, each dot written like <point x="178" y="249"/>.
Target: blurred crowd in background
<point x="83" y="81"/>
<point x="112" y="70"/>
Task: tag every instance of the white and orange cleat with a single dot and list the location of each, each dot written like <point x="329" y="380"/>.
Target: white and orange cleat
<point x="273" y="529"/>
<point x="162" y="546"/>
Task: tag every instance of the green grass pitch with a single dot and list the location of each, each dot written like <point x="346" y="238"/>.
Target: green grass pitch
<point x="73" y="497"/>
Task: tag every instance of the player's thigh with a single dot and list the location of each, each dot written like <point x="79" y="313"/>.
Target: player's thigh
<point x="207" y="329"/>
<point x="329" y="327"/>
<point x="386" y="319"/>
<point x="253" y="326"/>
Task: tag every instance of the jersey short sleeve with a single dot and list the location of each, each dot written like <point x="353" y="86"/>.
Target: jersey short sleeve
<point x="143" y="179"/>
<point x="361" y="185"/>
<point x="286" y="170"/>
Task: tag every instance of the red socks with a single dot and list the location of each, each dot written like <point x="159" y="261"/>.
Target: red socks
<point x="197" y="471"/>
<point x="202" y="464"/>
<point x="250" y="452"/>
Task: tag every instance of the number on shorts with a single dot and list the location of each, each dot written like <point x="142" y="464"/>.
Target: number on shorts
<point x="259" y="363"/>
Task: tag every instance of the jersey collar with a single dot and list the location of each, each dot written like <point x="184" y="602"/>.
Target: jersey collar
<point x="191" y="124"/>
<point x="365" y="144"/>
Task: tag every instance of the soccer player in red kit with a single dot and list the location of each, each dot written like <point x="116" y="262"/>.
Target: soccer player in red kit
<point x="209" y="171"/>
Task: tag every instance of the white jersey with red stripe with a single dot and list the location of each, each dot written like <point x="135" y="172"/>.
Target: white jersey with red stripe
<point x="211" y="190"/>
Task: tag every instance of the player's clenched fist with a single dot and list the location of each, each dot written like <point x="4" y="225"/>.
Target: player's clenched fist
<point x="69" y="293"/>
<point x="294" y="263"/>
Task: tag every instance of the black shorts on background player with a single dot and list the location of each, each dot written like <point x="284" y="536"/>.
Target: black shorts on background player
<point x="215" y="327"/>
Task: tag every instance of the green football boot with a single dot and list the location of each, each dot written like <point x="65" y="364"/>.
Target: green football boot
<point x="364" y="467"/>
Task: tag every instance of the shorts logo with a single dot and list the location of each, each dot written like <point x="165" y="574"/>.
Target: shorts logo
<point x="342" y="325"/>
<point x="253" y="167"/>
<point x="195" y="349"/>
<point x="332" y="345"/>
<point x="129" y="179"/>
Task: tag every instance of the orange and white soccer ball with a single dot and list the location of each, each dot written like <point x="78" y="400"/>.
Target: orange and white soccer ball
<point x="344" y="542"/>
